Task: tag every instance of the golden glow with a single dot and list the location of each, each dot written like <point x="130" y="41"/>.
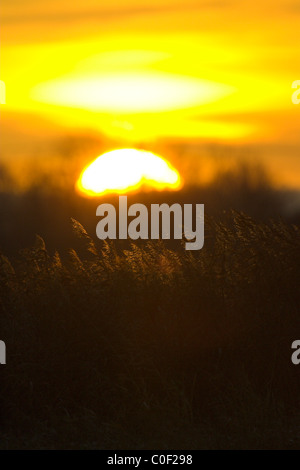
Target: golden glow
<point x="138" y="71"/>
<point x="124" y="170"/>
<point x="190" y="86"/>
<point x="127" y="92"/>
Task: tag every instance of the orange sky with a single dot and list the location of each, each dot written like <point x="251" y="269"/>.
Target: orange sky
<point x="208" y="70"/>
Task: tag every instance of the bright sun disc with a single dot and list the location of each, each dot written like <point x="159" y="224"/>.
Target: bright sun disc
<point x="123" y="170"/>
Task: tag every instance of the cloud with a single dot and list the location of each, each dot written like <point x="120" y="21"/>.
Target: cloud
<point x="11" y="16"/>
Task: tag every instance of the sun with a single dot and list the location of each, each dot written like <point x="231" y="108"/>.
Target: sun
<point x="123" y="170"/>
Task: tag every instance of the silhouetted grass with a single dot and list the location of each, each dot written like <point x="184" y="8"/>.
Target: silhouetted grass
<point x="148" y="347"/>
<point x="45" y="207"/>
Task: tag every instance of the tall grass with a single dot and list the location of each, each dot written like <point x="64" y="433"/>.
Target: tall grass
<point x="151" y="347"/>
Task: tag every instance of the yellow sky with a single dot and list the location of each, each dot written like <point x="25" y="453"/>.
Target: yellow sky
<point x="163" y="51"/>
<point x="209" y="70"/>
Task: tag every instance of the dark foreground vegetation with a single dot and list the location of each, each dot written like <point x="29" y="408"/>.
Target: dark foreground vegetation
<point x="149" y="347"/>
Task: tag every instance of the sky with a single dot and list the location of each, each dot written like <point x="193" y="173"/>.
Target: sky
<point x="207" y="71"/>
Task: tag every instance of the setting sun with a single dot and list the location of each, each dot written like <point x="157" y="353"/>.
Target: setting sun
<point x="124" y="170"/>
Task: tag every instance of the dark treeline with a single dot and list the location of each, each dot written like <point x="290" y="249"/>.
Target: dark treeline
<point x="46" y="209"/>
